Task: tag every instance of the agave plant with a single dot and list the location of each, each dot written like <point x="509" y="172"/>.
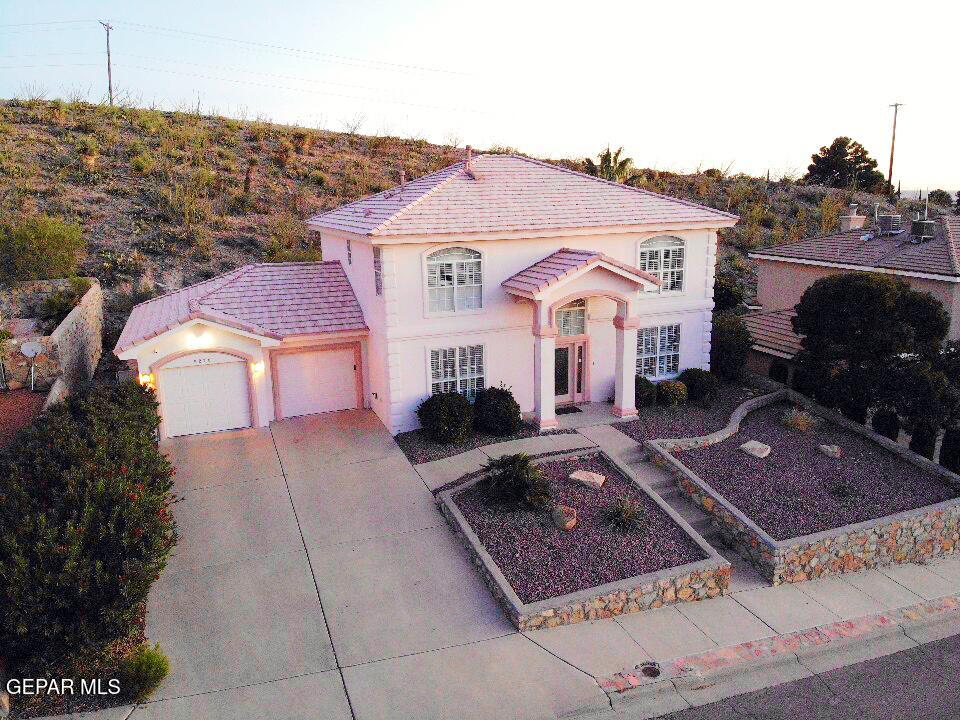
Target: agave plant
<point x="611" y="166"/>
<point x="515" y="479"/>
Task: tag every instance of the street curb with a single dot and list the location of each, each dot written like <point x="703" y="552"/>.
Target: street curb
<point x="735" y="669"/>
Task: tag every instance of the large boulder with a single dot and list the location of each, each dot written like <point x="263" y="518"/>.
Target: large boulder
<point x="588" y="478"/>
<point x="755" y="448"/>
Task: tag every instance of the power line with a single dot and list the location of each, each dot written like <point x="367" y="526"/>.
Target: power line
<point x="287" y="49"/>
<point x="49" y="22"/>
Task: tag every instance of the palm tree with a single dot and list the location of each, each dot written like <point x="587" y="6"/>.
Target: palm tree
<point x="612" y="166"/>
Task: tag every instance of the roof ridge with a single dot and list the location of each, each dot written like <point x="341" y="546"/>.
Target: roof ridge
<point x="194" y="303"/>
<point x="642" y="191"/>
<point x="170" y="293"/>
<point x="452" y="174"/>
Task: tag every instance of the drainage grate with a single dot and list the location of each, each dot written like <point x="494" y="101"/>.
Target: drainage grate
<point x="569" y="410"/>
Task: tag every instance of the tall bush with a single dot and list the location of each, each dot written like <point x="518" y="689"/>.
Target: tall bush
<point x="644" y="391"/>
<point x="729" y="345"/>
<point x="85" y="508"/>
<point x="497" y="412"/>
<point x="923" y="438"/>
<point x="886" y="422"/>
<point x="702" y="386"/>
<point x="40" y="247"/>
<point x="447" y="417"/>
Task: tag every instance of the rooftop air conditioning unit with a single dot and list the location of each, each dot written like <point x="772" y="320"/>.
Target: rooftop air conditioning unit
<point x="890" y="224"/>
<point x="923" y="230"/>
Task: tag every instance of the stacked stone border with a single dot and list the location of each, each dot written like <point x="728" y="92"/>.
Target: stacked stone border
<point x="909" y="536"/>
<point x="707" y="668"/>
<point x="685" y="583"/>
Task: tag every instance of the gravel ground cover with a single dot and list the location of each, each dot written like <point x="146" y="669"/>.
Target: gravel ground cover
<point x="797" y="490"/>
<point x="540" y="561"/>
<point x="688" y="420"/>
<point x="419" y="448"/>
<point x="18" y="408"/>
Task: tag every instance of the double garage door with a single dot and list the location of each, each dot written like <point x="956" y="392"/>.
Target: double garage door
<point x="206" y="392"/>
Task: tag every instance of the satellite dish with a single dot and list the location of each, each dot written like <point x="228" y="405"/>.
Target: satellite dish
<point x="31" y="349"/>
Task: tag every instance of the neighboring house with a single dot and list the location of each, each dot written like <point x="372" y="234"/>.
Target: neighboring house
<point x="927" y="260"/>
<point x="497" y="270"/>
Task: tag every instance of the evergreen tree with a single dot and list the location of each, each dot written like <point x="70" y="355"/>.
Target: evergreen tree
<point x="846" y="164"/>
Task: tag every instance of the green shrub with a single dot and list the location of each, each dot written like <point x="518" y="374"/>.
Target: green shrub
<point x="58" y="304"/>
<point x="516" y="480"/>
<point x="729" y="344"/>
<point x="886" y="422"/>
<point x="671" y="393"/>
<point x="142" y="671"/>
<point x="40" y="247"/>
<point x="497" y="412"/>
<point x="143" y="163"/>
<point x="85" y="509"/>
<point x="950" y="449"/>
<point x="447" y="417"/>
<point x="923" y="439"/>
<point x="855" y="411"/>
<point x="622" y="513"/>
<point x="644" y="392"/>
<point x="702" y="385"/>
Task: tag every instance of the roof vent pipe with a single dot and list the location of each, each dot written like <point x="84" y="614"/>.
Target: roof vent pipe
<point x="468" y="164"/>
<point x="852" y="221"/>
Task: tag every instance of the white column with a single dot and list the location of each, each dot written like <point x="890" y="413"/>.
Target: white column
<point x="624" y="400"/>
<point x="544" y="359"/>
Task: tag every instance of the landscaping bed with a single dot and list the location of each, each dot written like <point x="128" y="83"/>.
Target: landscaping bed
<point x="800" y="513"/>
<point x="797" y="490"/>
<point x="420" y="448"/>
<point x="545" y="576"/>
<point x="688" y="419"/>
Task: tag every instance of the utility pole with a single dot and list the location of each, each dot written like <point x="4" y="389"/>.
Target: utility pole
<point x="108" y="27"/>
<point x="893" y="143"/>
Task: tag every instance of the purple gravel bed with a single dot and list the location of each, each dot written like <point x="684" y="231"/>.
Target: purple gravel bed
<point x="419" y="448"/>
<point x="792" y="492"/>
<point x="657" y="422"/>
<point x="541" y="561"/>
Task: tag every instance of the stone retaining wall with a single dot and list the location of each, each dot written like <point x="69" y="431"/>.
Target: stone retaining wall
<point x="70" y="353"/>
<point x="687" y="583"/>
<point x="910" y="536"/>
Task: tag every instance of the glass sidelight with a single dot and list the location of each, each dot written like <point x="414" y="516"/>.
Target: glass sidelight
<point x="562" y="373"/>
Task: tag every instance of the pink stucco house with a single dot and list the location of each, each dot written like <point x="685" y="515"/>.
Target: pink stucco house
<point x="496" y="270"/>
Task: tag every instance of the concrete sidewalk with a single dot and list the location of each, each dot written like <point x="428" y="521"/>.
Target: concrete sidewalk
<point x="315" y="578"/>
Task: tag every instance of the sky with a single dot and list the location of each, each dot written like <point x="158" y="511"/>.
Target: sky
<point x="680" y="85"/>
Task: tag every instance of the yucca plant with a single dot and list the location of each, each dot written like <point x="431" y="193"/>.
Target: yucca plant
<point x="516" y="480"/>
<point x="623" y="513"/>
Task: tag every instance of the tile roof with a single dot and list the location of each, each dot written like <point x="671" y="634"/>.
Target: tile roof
<point x="275" y="300"/>
<point x="939" y="256"/>
<point x="773" y="330"/>
<point x="561" y="264"/>
<point x="510" y="193"/>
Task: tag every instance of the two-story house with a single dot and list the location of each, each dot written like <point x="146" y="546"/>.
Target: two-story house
<point x="496" y="270"/>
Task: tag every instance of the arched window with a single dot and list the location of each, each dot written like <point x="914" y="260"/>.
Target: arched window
<point x="454" y="280"/>
<point x="663" y="257"/>
<point x="572" y="318"/>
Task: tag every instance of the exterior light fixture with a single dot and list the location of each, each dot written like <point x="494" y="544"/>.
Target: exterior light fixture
<point x="146" y="379"/>
<point x="257" y="367"/>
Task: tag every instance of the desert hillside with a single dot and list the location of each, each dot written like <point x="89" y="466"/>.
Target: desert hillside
<point x="170" y="198"/>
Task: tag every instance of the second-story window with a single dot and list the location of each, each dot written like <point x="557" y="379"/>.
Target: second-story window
<point x="377" y="270"/>
<point x="663" y="257"/>
<point x="454" y="280"/>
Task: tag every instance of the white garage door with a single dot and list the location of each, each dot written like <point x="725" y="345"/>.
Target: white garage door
<point x="204" y="392"/>
<point x="316" y="381"/>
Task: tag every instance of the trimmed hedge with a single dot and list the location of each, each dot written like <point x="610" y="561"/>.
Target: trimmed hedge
<point x="85" y="507"/>
<point x="446" y="417"/>
<point x="729" y="344"/>
<point x="644" y="392"/>
<point x="497" y="412"/>
<point x="702" y="386"/>
<point x="671" y="392"/>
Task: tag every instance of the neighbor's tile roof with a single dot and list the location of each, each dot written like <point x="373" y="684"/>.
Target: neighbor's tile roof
<point x="560" y="264"/>
<point x="511" y="193"/>
<point x="275" y="300"/>
<point x="773" y="330"/>
<point x="939" y="256"/>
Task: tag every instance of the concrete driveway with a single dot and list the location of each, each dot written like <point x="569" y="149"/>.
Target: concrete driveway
<point x="315" y="578"/>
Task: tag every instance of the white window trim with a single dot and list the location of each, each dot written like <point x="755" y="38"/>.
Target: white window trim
<point x="428" y="354"/>
<point x="672" y="239"/>
<point x="658" y="354"/>
<point x="425" y="265"/>
<point x="567" y="309"/>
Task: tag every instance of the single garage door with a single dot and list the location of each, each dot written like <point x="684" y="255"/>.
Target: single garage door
<point x="204" y="392"/>
<point x="316" y="381"/>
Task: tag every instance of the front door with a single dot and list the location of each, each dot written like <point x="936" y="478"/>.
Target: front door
<point x="570" y="363"/>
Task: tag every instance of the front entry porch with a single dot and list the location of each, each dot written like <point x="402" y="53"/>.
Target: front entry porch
<point x="558" y="285"/>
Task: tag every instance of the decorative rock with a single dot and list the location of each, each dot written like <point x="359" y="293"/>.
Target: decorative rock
<point x="833" y="451"/>
<point x="757" y="449"/>
<point x="588" y="478"/>
<point x="564" y="517"/>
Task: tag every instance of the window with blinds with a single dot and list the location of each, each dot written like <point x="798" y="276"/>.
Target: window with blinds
<point x="457" y="369"/>
<point x="572" y="318"/>
<point x="377" y="270"/>
<point x="664" y="258"/>
<point x="658" y="351"/>
<point x="454" y="280"/>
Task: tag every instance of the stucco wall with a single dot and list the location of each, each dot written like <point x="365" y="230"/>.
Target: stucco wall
<point x="780" y="285"/>
<point x="504" y="325"/>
